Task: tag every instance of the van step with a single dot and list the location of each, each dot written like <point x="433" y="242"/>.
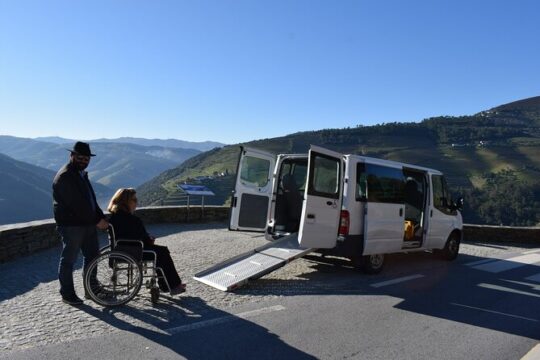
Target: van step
<point x="410" y="244"/>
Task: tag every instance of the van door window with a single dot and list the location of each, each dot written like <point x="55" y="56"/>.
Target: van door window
<point x="255" y="171"/>
<point x="325" y="179"/>
<point x="441" y="195"/>
<point x="376" y="183"/>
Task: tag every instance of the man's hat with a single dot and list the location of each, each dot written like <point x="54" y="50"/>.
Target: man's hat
<point x="81" y="148"/>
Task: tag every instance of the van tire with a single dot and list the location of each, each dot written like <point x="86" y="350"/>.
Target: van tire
<point x="451" y="248"/>
<point x="372" y="264"/>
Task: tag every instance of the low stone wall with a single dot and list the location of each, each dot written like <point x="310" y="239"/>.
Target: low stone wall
<point x="26" y="238"/>
<point x="180" y="214"/>
<point x="489" y="233"/>
<point x="21" y="239"/>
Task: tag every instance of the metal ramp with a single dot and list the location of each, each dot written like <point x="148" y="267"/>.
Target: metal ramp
<point x="235" y="272"/>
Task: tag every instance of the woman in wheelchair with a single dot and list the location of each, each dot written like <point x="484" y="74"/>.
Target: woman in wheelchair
<point x="128" y="226"/>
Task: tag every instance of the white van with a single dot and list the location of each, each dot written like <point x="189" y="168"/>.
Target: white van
<point x="346" y="205"/>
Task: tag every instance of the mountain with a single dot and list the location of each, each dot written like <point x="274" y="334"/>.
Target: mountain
<point x="526" y="105"/>
<point x="55" y="140"/>
<point x="26" y="191"/>
<point x="116" y="164"/>
<point x="170" y="143"/>
<point x="468" y="149"/>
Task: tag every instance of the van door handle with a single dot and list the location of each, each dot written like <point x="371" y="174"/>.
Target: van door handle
<point x="311" y="216"/>
<point x="400" y="212"/>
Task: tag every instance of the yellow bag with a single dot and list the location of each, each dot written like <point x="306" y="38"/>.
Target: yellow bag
<point x="409" y="230"/>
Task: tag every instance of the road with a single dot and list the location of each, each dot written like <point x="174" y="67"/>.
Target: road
<point x="484" y="305"/>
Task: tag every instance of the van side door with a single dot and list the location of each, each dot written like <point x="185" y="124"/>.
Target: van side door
<point x="319" y="222"/>
<point x="385" y="207"/>
<point x="251" y="197"/>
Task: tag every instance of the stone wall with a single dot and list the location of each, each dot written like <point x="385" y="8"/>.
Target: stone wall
<point x="502" y="234"/>
<point x="26" y="238"/>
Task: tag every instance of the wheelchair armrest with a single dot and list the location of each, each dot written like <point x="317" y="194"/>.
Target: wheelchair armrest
<point x="130" y="242"/>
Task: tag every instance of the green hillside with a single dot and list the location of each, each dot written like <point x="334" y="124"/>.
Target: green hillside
<point x="468" y="149"/>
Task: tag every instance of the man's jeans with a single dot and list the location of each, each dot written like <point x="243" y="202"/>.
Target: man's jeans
<point x="74" y="239"/>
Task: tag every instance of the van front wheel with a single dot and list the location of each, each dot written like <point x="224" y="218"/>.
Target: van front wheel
<point x="451" y="249"/>
<point x="372" y="264"/>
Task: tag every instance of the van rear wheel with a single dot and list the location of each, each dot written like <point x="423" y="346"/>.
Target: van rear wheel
<point x="372" y="264"/>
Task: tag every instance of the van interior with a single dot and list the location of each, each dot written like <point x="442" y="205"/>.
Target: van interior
<point x="415" y="189"/>
<point x="290" y="195"/>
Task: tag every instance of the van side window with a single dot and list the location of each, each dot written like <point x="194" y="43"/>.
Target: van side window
<point x="376" y="183"/>
<point x="325" y="179"/>
<point x="441" y="195"/>
<point x="255" y="171"/>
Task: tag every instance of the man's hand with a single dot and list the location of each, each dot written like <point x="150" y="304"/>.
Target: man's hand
<point x="102" y="224"/>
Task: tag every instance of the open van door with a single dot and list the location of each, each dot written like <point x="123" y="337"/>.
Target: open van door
<point x="322" y="205"/>
<point x="384" y="215"/>
<point x="250" y="201"/>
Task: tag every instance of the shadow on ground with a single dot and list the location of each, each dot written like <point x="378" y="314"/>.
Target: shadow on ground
<point x="453" y="291"/>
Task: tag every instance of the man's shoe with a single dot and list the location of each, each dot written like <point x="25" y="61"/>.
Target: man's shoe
<point x="179" y="289"/>
<point x="72" y="300"/>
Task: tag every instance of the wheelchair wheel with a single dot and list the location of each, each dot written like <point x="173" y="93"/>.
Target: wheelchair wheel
<point x="113" y="279"/>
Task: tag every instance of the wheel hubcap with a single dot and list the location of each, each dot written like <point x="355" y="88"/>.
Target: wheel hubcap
<point x="453" y="246"/>
<point x="376" y="260"/>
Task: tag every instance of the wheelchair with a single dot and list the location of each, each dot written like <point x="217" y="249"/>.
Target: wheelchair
<point x="116" y="275"/>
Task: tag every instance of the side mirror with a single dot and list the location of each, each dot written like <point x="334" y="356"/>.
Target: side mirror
<point x="459" y="203"/>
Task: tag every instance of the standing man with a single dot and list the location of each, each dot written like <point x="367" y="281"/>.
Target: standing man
<point x="77" y="216"/>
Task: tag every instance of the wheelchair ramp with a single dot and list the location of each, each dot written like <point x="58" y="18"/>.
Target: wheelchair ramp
<point x="235" y="272"/>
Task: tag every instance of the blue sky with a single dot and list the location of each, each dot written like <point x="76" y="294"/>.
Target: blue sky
<point x="234" y="71"/>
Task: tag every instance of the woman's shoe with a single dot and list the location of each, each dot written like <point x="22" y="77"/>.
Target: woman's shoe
<point x="179" y="289"/>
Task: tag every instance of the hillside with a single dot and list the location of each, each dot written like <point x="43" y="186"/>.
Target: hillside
<point x="467" y="149"/>
<point x="26" y="191"/>
<point x="116" y="164"/>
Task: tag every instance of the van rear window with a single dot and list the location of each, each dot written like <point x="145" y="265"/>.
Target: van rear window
<point x="324" y="179"/>
<point x="255" y="171"/>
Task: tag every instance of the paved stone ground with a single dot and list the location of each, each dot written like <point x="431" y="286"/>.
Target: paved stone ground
<point x="33" y="314"/>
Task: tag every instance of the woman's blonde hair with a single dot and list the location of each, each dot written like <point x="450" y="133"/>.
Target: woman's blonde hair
<point x="121" y="199"/>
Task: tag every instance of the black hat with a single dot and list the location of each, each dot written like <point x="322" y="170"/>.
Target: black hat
<point x="81" y="148"/>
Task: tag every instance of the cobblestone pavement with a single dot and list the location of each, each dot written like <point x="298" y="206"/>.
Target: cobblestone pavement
<point x="33" y="313"/>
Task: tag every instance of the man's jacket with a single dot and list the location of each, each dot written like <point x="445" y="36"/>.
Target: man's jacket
<point x="72" y="198"/>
